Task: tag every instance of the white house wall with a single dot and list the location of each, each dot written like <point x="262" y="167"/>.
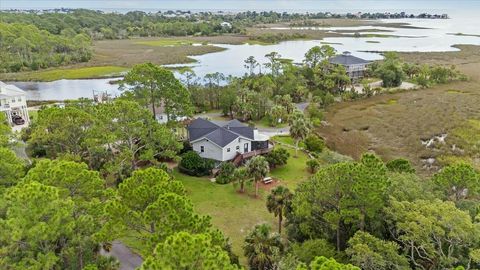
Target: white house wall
<point x="13" y="101"/>
<point x="211" y="150"/>
<point x="233" y="148"/>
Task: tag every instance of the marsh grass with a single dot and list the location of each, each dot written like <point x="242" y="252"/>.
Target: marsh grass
<point x="166" y="42"/>
<point x="396" y="127"/>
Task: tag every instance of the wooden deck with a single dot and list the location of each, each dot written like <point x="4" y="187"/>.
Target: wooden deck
<point x="239" y="158"/>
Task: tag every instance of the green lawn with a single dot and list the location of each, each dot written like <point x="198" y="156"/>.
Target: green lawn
<point x="166" y="42"/>
<point x="294" y="172"/>
<point x="233" y="213"/>
<point x="285" y="139"/>
<point x="76" y="73"/>
<point x="265" y="122"/>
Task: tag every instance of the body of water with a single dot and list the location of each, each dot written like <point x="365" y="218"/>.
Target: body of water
<point x="439" y="36"/>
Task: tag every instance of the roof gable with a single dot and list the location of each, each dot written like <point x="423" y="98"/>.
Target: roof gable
<point x="8" y="90"/>
<point x="239" y="128"/>
<point x="220" y="134"/>
<point x="347" y="59"/>
<point x="199" y="128"/>
<point x="221" y="137"/>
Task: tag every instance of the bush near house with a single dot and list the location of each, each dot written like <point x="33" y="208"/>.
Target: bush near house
<point x="277" y="157"/>
<point x="194" y="165"/>
<point x="226" y="173"/>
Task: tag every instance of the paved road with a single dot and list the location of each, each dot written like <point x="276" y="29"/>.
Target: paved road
<point x="127" y="258"/>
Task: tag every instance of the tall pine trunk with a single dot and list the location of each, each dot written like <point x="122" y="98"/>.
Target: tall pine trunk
<point x="280" y="217"/>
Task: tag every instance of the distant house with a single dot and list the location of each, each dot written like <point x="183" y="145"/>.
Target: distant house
<point x="226" y="141"/>
<point x="355" y="66"/>
<point x="226" y="25"/>
<point x="13" y="102"/>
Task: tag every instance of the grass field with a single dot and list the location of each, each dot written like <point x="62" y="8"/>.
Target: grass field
<point x="166" y="42"/>
<point x="393" y="125"/>
<point x="74" y="73"/>
<point x="114" y="56"/>
<point x="234" y="213"/>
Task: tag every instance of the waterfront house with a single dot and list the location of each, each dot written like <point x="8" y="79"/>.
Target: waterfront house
<point x="355" y="66"/>
<point x="13" y="103"/>
<point x="227" y="141"/>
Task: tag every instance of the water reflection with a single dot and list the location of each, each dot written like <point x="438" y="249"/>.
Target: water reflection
<point x="439" y="36"/>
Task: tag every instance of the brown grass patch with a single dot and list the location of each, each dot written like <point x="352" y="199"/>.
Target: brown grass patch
<point x="398" y="121"/>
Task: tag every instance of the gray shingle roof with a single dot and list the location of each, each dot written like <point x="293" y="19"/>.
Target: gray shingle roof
<point x="221" y="136"/>
<point x="199" y="128"/>
<point x="221" y="133"/>
<point x="347" y="59"/>
<point x="239" y="128"/>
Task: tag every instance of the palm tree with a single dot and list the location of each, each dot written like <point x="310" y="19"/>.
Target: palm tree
<point x="261" y="247"/>
<point x="250" y="64"/>
<point x="241" y="175"/>
<point x="258" y="168"/>
<point x="277" y="202"/>
<point x="299" y="128"/>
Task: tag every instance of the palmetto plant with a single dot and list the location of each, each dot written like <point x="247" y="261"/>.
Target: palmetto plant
<point x="277" y="202"/>
<point x="257" y="168"/>
<point x="261" y="247"/>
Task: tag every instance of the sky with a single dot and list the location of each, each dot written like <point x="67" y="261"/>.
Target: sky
<point x="432" y="6"/>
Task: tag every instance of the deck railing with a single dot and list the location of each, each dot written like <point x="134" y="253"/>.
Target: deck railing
<point x="240" y="157"/>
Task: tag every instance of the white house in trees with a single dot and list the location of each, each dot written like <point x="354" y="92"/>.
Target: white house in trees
<point x="355" y="66"/>
<point x="13" y="103"/>
<point x="226" y="141"/>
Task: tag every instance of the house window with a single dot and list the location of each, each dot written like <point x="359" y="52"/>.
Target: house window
<point x="238" y="147"/>
<point x="202" y="149"/>
<point x="228" y="149"/>
<point x="13" y="100"/>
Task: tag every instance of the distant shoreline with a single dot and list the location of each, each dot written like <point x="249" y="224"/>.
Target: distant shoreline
<point x="182" y="13"/>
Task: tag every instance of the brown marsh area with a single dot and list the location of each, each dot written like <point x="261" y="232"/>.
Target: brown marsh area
<point x="110" y="57"/>
<point x="393" y="125"/>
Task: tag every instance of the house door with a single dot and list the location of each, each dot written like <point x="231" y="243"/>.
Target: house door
<point x="245" y="148"/>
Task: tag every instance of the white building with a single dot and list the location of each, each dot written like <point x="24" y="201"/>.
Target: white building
<point x="227" y="141"/>
<point x="226" y="25"/>
<point x="13" y="102"/>
<point x="354" y="66"/>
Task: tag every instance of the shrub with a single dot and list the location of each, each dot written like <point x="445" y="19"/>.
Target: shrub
<point x="225" y="176"/>
<point x="315" y="144"/>
<point x="391" y="71"/>
<point x="400" y="165"/>
<point x="313" y="165"/>
<point x="277" y="157"/>
<point x="193" y="164"/>
<point x="314" y="111"/>
<point x="308" y="250"/>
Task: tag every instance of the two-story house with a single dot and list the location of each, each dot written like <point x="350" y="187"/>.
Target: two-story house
<point x="355" y="66"/>
<point x="13" y="102"/>
<point x="226" y="141"/>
